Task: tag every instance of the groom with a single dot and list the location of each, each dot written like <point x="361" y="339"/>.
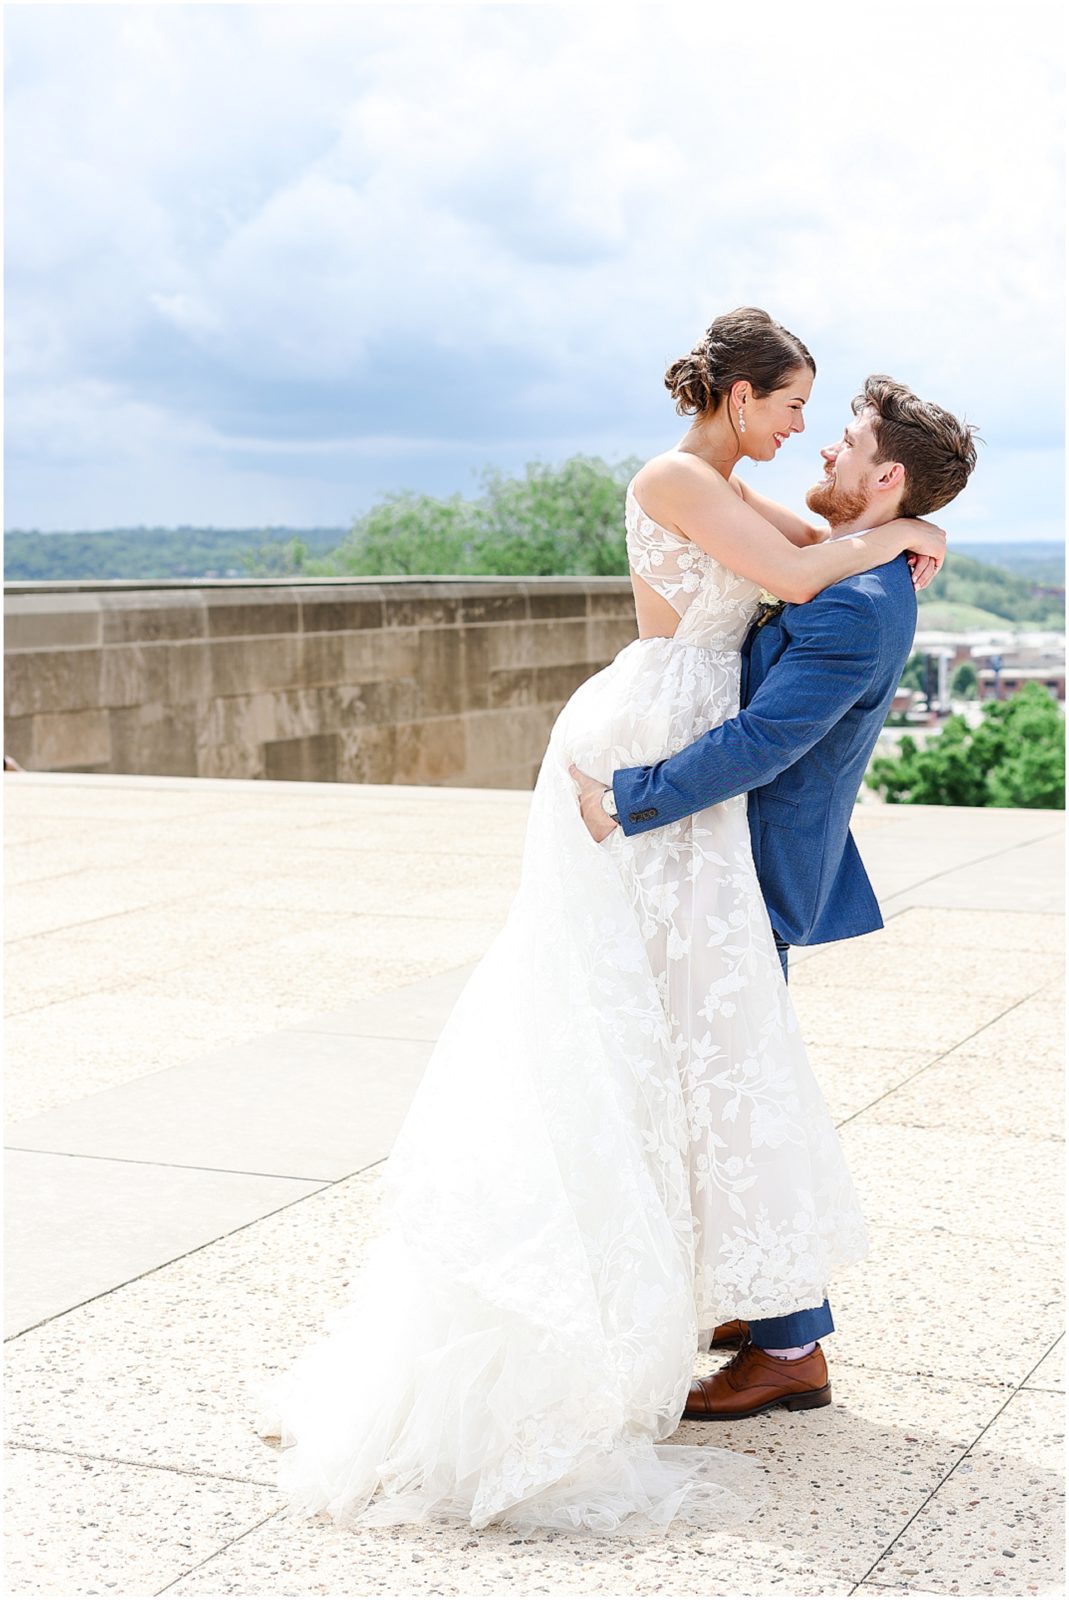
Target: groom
<point x="817" y="684"/>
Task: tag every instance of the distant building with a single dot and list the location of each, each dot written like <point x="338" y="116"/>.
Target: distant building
<point x="1003" y="660"/>
<point x="1010" y="679"/>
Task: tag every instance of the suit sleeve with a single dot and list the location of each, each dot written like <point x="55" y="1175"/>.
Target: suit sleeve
<point x="833" y="652"/>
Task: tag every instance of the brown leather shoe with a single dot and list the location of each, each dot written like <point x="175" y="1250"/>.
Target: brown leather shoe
<point x="753" y="1381"/>
<point x="728" y="1333"/>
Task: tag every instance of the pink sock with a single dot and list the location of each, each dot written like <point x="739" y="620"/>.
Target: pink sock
<point x="794" y="1351"/>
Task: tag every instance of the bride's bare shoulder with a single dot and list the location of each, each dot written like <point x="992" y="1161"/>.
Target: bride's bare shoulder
<point x="666" y="485"/>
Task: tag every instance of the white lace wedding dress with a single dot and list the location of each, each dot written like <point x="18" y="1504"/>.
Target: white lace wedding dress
<point x="618" y="1142"/>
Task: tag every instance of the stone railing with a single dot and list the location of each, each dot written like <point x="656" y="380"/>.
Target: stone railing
<point x="422" y="680"/>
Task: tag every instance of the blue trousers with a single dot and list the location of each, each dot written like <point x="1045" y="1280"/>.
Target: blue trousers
<point x="797" y="1327"/>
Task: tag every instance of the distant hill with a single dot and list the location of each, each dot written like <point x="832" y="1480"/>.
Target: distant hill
<point x="158" y="552"/>
<point x="1041" y="560"/>
<point x="982" y="588"/>
<point x="948" y="616"/>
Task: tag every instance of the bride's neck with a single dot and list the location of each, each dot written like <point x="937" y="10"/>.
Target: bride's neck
<point x="715" y="441"/>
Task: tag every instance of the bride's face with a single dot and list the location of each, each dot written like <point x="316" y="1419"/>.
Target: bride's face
<point x="772" y="418"/>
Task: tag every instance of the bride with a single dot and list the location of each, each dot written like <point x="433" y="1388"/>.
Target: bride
<point x="618" y="1143"/>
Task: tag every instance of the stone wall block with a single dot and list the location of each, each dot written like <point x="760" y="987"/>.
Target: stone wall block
<point x="560" y="604"/>
<point x="243" y="666"/>
<point x="512" y="645"/>
<point x="320" y="657"/>
<point x="477" y="654"/>
<point x="134" y="674"/>
<point x="340" y="611"/>
<point x="423" y="605"/>
<point x="497" y="739"/>
<point x="52" y="680"/>
<point x="18" y="740"/>
<point x="554" y="685"/>
<point x="154" y="739"/>
<point x="502" y="603"/>
<point x="298" y="713"/>
<point x="557" y="642"/>
<point x="374" y="703"/>
<point x="512" y="686"/>
<point x="71" y="741"/>
<point x="238" y="613"/>
<point x="606" y="637"/>
<point x="430" y="751"/>
<point x="51" y="621"/>
<point x="441" y="671"/>
<point x="240" y="719"/>
<point x="383" y="653"/>
<point x="615" y="602"/>
<point x="189" y="672"/>
<point x="230" y="761"/>
<point x="312" y="759"/>
<point x="137" y="618"/>
<point x="367" y="754"/>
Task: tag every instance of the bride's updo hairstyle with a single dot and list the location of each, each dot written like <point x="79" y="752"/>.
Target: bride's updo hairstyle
<point x="742" y="346"/>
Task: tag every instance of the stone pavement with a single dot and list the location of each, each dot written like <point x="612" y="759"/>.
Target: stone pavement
<point x="221" y="995"/>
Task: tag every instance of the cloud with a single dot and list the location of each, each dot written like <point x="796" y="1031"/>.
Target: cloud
<point x="367" y="245"/>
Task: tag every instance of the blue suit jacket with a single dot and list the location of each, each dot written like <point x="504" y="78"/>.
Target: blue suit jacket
<point x="817" y="684"/>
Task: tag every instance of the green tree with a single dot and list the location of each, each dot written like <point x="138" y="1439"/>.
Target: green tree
<point x="965" y="684"/>
<point x="275" y="560"/>
<point x="913" y="672"/>
<point x="405" y="533"/>
<point x="552" y="520"/>
<point x="1015" y="757"/>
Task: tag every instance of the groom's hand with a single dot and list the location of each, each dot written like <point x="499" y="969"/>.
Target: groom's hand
<point x="598" y="822"/>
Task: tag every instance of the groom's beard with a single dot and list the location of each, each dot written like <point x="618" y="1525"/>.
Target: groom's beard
<point x="835" y="504"/>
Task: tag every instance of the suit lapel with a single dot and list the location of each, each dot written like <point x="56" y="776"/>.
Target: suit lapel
<point x="744" y="671"/>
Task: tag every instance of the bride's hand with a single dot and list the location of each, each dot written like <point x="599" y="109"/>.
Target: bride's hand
<point x="924" y="570"/>
<point x="927" y="546"/>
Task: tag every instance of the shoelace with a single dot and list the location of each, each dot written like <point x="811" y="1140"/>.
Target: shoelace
<point x="737" y="1359"/>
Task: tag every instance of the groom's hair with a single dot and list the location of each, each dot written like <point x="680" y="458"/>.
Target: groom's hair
<point x="936" y="450"/>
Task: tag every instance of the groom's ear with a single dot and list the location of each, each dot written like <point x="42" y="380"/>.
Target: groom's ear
<point x="890" y="475"/>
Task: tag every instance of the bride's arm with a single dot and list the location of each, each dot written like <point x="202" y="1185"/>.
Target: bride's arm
<point x="710" y="513"/>
<point x="792" y="526"/>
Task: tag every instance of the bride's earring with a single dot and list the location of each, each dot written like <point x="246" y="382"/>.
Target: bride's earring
<point x="742" y="421"/>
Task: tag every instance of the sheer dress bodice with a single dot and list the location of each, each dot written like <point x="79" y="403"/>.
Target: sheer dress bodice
<point x="714" y="605"/>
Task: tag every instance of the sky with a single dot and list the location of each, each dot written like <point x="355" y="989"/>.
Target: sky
<point x="265" y="264"/>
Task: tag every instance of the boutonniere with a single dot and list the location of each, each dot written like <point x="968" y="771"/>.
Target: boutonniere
<point x="767" y="608"/>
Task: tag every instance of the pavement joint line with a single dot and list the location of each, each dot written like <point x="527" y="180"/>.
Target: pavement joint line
<point x="1017" y="1389"/>
<point x="159" y="1265"/>
<point x="1022" y="844"/>
<point x="960" y="1043"/>
<point x="253" y="1038"/>
<point x="346" y="1033"/>
<point x="149" y="977"/>
<point x="994" y="1384"/>
<point x="244" y="1534"/>
<point x="964" y="911"/>
<point x="180" y="1166"/>
<point x="126" y="1461"/>
<point x="162" y="905"/>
